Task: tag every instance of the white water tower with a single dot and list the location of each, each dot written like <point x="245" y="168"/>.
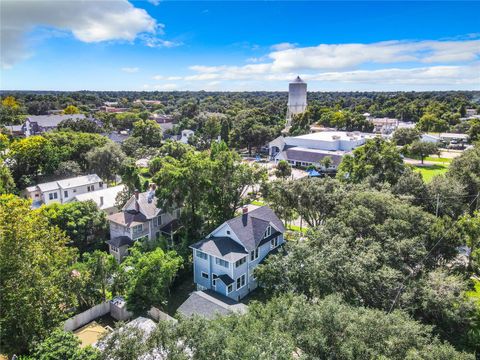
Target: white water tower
<point x="297" y="98"/>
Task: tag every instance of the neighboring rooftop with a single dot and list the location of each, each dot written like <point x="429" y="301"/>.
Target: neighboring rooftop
<point x="313" y="155"/>
<point x="147" y="204"/>
<point x="334" y="135"/>
<point x="209" y="304"/>
<point x="105" y="198"/>
<point x="79" y="181"/>
<point x="66" y="183"/>
<point x="53" y="120"/>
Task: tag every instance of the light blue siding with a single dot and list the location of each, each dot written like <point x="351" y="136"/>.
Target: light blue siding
<point x="210" y="267"/>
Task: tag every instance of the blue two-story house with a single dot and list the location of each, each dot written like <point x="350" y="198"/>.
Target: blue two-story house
<point x="226" y="259"/>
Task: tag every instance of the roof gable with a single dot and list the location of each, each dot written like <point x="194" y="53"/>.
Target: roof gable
<point x="250" y="228"/>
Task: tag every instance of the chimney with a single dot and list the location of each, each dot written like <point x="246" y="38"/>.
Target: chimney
<point x="101" y="200"/>
<point x="137" y="206"/>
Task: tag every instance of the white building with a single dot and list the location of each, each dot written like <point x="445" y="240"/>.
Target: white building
<point x="297" y="98"/>
<point x="105" y="198"/>
<point x="186" y="134"/>
<point x="62" y="191"/>
<point x="310" y="149"/>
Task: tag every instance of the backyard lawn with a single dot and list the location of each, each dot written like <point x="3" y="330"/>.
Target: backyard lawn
<point x="429" y="171"/>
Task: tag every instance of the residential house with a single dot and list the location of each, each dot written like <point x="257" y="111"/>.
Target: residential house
<point x="226" y="259"/>
<point x="104" y="198"/>
<point x="62" y="191"/>
<point x="140" y="219"/>
<point x="37" y="124"/>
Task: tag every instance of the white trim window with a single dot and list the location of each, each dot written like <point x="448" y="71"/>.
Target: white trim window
<point x="229" y="288"/>
<point x="201" y="255"/>
<point x="274" y="242"/>
<point x="137" y="229"/>
<point x="204" y="275"/>
<point x="241" y="261"/>
<point x="254" y="254"/>
<point x="65" y="193"/>
<point x="222" y="262"/>
<point x="268" y="232"/>
<point x="53" y="196"/>
<point x="241" y="281"/>
<point x="114" y="248"/>
<point x="214" y="279"/>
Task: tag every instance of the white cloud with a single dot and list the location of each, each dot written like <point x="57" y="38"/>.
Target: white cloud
<point x="283" y="46"/>
<point x="154" y="41"/>
<point x="130" y="69"/>
<point x="154" y="2"/>
<point x="425" y="62"/>
<point x="170" y="86"/>
<point x="88" y="21"/>
<point x="347" y="56"/>
<point x="169" y="78"/>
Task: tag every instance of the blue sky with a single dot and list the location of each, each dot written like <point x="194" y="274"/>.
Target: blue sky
<point x="235" y="45"/>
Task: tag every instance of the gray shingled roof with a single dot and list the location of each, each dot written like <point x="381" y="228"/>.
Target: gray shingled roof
<point x="146" y="207"/>
<point x="223" y="247"/>
<point x="209" y="304"/>
<point x="53" y="120"/>
<point x="128" y="219"/>
<point x="120" y="241"/>
<point x="251" y="227"/>
<point x="227" y="280"/>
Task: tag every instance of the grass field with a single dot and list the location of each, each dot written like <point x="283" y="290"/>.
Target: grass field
<point x="429" y="171"/>
<point x="438" y="159"/>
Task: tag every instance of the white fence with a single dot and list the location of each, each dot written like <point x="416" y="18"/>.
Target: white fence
<point x="87" y="316"/>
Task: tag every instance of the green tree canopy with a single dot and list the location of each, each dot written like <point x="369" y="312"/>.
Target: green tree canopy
<point x="35" y="283"/>
<point x="377" y="159"/>
<point x="82" y="221"/>
<point x="106" y="161"/>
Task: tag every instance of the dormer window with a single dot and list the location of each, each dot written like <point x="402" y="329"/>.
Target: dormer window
<point x="268" y="232"/>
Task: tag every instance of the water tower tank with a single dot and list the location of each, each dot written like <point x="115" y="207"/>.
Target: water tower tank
<point x="297" y="97"/>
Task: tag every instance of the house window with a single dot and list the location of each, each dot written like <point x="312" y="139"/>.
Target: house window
<point x="53" y="196"/>
<point x="158" y="220"/>
<point x="268" y="232"/>
<point x="241" y="281"/>
<point x="114" y="249"/>
<point x="228" y="232"/>
<point x="274" y="242"/>
<point x="202" y="255"/>
<point x="240" y="262"/>
<point x="74" y="190"/>
<point x="214" y="279"/>
<point x="204" y="275"/>
<point x="65" y="193"/>
<point x="137" y="229"/>
<point x="229" y="288"/>
<point x="222" y="262"/>
<point x="100" y="184"/>
<point x="254" y="254"/>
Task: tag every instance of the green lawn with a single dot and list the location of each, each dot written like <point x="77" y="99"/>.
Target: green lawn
<point x="438" y="159"/>
<point x="475" y="293"/>
<point x="429" y="171"/>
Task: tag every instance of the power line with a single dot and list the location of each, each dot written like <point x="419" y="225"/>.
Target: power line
<point x="417" y="268"/>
